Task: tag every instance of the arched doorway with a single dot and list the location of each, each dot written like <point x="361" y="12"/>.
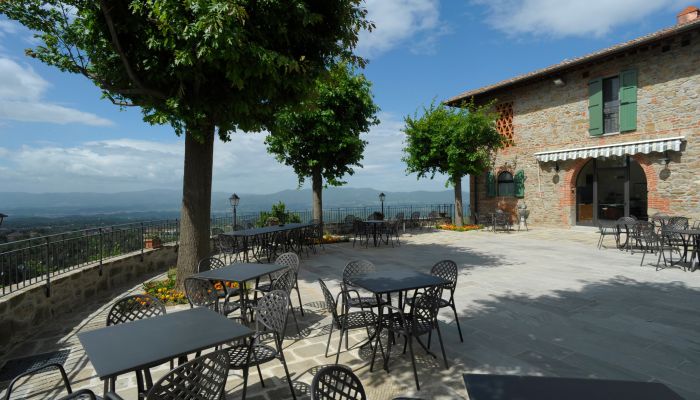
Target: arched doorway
<point x="609" y="188"/>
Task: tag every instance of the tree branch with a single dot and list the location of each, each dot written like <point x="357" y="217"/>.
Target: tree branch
<point x="127" y="66"/>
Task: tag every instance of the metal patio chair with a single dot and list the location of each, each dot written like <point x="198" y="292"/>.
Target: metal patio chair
<point x="361" y="230"/>
<point x="291" y="261"/>
<point x="337" y="382"/>
<point x="346" y="320"/>
<point x="229" y="246"/>
<point x="271" y="319"/>
<point x="352" y="269"/>
<point x="284" y="283"/>
<point x="211" y="263"/>
<point x="448" y="270"/>
<point x="420" y="320"/>
<point x="202" y="293"/>
<point x="203" y="378"/>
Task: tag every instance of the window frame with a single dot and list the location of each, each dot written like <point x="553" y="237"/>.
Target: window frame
<point x="510" y="182"/>
<point x="602" y="88"/>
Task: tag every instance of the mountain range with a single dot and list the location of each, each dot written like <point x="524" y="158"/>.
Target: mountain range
<point x="162" y="200"/>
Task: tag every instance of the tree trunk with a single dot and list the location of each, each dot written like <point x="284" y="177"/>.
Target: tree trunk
<point x="459" y="218"/>
<point x="195" y="216"/>
<point x="317" y="194"/>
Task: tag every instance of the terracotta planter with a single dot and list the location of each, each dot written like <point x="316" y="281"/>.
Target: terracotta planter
<point x="153" y="243"/>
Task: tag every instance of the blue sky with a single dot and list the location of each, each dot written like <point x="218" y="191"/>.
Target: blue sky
<point x="56" y="134"/>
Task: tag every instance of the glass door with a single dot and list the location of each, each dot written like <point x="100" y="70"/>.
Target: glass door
<point x="585" y="197"/>
<point x="612" y="175"/>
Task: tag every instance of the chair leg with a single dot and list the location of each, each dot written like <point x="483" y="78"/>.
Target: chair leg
<point x="301" y="307"/>
<point x="329" y="339"/>
<point x="286" y="372"/>
<point x="245" y="382"/>
<point x="442" y="346"/>
<point x="294" y="315"/>
<point x="262" y="381"/>
<point x="413" y="361"/>
<point x="340" y="345"/>
<point x="388" y="350"/>
<point x="459" y="328"/>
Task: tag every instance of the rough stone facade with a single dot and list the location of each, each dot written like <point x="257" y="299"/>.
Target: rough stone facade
<point x="29" y="309"/>
<point x="548" y="117"/>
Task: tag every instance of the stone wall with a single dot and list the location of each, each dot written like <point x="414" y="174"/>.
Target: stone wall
<point x="25" y="311"/>
<point x="547" y="117"/>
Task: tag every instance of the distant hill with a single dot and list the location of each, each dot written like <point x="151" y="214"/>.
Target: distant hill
<point x="167" y="201"/>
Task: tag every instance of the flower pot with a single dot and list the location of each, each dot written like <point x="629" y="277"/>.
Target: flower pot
<point x="154" y="243"/>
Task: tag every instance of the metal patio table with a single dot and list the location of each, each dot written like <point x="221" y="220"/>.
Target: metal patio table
<point x="688" y="235"/>
<point x="139" y="345"/>
<point x="618" y="227"/>
<point x="385" y="282"/>
<point x="376" y="224"/>
<point x="240" y="273"/>
<point x="511" y="387"/>
<point x="251" y="237"/>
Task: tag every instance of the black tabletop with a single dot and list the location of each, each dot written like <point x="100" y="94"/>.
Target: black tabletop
<point x="239" y="272"/>
<point x="267" y="229"/>
<point x="117" y="349"/>
<point x="387" y="281"/>
<point x="514" y="387"/>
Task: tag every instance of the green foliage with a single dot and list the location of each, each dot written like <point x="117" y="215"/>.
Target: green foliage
<point x="322" y="133"/>
<point x="231" y="64"/>
<point x="278" y="212"/>
<point x="451" y="141"/>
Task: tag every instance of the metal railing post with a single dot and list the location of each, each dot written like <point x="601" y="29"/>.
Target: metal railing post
<point x="101" y="241"/>
<point x="47" y="288"/>
<point x="143" y="243"/>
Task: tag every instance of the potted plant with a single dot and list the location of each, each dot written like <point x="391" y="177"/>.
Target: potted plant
<point x="152" y="241"/>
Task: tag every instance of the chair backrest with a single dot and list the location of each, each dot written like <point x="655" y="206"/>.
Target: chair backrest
<point x="209" y="263"/>
<point x="337" y="382"/>
<point x="646" y="231"/>
<point x="289" y="260"/>
<point x="399" y="216"/>
<point x="226" y="244"/>
<point x="331" y="305"/>
<point x="627" y="220"/>
<point x="376" y="216"/>
<point x="678" y="223"/>
<point x="284" y="282"/>
<point x="201" y="293"/>
<point x="426" y="306"/>
<point x="203" y="378"/>
<point x="357" y="267"/>
<point x="134" y="307"/>
<point x="447" y="270"/>
<point x="272" y="311"/>
<point x="415" y="215"/>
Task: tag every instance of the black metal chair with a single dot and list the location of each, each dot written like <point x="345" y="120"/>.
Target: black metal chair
<point x="229" y="246"/>
<point x="415" y="219"/>
<point x="203" y="378"/>
<point x="211" y="263"/>
<point x="35" y="371"/>
<point x="448" y="270"/>
<point x="501" y="220"/>
<point x="285" y="283"/>
<point x="352" y="269"/>
<point x="361" y="231"/>
<point x="346" y="320"/>
<point x="349" y="224"/>
<point x="391" y="232"/>
<point x="133" y="308"/>
<point x="202" y="293"/>
<point x="420" y="320"/>
<point x="291" y="261"/>
<point x="272" y="315"/>
<point x="337" y="382"/>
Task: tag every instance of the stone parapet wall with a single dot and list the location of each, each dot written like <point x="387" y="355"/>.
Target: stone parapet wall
<point x="547" y="117"/>
<point x="25" y="311"/>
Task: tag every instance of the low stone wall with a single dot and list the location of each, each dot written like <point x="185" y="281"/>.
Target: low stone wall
<point x="25" y="311"/>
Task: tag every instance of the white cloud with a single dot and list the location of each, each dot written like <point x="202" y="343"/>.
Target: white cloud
<point x="400" y="21"/>
<point x="558" y="18"/>
<point x="241" y="165"/>
<point x="8" y="27"/>
<point x="21" y="92"/>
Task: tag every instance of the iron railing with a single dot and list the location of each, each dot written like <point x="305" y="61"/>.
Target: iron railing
<point x="39" y="259"/>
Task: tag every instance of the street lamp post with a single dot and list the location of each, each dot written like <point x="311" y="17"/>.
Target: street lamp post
<point x="234" y="199"/>
<point x="382" y="196"/>
<point x="2" y="218"/>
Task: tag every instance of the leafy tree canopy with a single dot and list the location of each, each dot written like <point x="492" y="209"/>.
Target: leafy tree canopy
<point x="228" y="63"/>
<point x="323" y="132"/>
<point x="451" y="141"/>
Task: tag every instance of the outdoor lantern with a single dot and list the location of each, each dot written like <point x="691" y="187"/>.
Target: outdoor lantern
<point x="556" y="167"/>
<point x="665" y="160"/>
<point x="382" y="196"/>
<point x="2" y="217"/>
<point x="234" y="199"/>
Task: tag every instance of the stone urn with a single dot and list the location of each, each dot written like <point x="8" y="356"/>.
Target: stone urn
<point x="523" y="213"/>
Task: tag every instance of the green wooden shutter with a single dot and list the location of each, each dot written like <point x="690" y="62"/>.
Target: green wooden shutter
<point x="519" y="181"/>
<point x="595" y="107"/>
<point x="628" y="100"/>
<point x="490" y="185"/>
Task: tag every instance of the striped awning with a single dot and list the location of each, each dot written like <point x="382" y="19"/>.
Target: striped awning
<point x="618" y="149"/>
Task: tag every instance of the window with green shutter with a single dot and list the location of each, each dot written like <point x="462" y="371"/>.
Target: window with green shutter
<point x="595" y="107"/>
<point x="519" y="180"/>
<point x="628" y="100"/>
<point x="490" y="185"/>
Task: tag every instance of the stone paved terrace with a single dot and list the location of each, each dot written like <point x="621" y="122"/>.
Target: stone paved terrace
<point x="544" y="302"/>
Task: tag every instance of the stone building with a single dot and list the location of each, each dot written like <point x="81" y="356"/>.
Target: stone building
<point x="610" y="134"/>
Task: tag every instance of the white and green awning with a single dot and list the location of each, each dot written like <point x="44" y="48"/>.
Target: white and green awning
<point x="611" y="150"/>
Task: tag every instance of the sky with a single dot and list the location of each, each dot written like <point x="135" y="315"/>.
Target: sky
<point x="58" y="135"/>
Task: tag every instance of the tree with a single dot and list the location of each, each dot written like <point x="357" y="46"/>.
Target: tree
<point x="320" y="138"/>
<point x="454" y="142"/>
<point x="204" y="67"/>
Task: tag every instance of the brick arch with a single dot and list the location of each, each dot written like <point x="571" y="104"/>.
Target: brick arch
<point x="654" y="201"/>
<point x="567" y="190"/>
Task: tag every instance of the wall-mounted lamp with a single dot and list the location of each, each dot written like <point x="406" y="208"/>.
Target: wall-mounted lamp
<point x="559" y="81"/>
<point x="665" y="160"/>
<point x="556" y="167"/>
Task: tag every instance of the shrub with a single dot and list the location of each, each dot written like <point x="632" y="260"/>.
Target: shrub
<point x="278" y="212"/>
